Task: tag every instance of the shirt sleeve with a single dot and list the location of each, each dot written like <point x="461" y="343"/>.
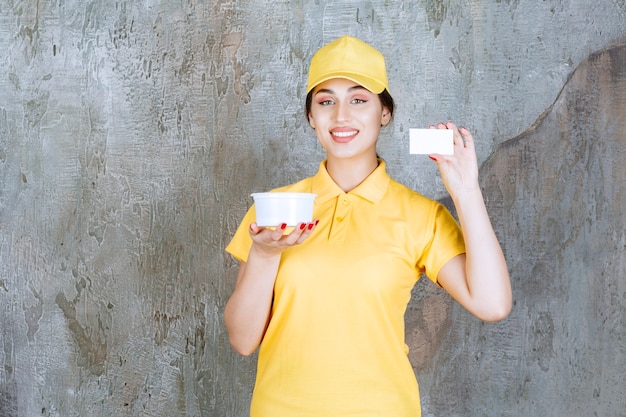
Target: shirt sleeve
<point x="239" y="246"/>
<point x="445" y="243"/>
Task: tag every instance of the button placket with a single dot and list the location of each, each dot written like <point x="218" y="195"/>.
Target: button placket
<point x="342" y="212"/>
<point x="343" y="209"/>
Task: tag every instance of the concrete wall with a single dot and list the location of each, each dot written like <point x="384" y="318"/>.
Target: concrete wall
<point x="131" y="134"/>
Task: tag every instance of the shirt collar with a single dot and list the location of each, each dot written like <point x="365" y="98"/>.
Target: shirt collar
<point x="372" y="188"/>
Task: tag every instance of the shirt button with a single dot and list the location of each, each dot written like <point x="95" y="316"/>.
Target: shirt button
<point x="345" y="202"/>
<point x="339" y="219"/>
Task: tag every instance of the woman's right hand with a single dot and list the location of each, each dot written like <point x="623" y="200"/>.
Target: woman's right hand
<point x="247" y="312"/>
<point x="272" y="242"/>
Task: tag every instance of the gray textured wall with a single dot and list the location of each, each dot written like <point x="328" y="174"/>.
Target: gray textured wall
<point x="131" y="134"/>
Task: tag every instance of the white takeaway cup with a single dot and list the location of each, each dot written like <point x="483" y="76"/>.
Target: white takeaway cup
<point x="275" y="208"/>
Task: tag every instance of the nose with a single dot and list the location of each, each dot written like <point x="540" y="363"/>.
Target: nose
<point x="342" y="111"/>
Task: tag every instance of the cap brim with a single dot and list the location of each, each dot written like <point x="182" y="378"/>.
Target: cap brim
<point x="367" y="82"/>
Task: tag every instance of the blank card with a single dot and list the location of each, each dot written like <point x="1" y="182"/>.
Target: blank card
<point x="429" y="141"/>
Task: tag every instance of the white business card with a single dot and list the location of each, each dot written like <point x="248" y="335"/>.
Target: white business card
<point x="430" y="141"/>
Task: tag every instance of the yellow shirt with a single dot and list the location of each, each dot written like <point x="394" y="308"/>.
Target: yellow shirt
<point x="335" y="342"/>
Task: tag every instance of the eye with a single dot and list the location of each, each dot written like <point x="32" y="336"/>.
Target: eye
<point x="358" y="100"/>
<point x="325" y="102"/>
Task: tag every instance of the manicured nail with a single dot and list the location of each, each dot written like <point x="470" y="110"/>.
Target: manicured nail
<point x="302" y="226"/>
<point x="311" y="226"/>
<point x="433" y="158"/>
<point x="283" y="226"/>
<point x="317" y="221"/>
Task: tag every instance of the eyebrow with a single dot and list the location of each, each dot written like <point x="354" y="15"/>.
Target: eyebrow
<point x="329" y="91"/>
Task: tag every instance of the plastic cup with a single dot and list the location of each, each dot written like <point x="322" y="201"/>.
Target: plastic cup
<point x="273" y="209"/>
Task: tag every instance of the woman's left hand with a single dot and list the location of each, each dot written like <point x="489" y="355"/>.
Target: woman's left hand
<point x="459" y="171"/>
<point x="478" y="280"/>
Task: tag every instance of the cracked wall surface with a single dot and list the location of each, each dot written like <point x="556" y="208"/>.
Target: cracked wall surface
<point x="132" y="133"/>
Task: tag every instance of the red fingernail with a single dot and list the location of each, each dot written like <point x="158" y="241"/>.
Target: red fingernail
<point x="432" y="157"/>
<point x="311" y="226"/>
<point x="302" y="226"/>
<point x="283" y="226"/>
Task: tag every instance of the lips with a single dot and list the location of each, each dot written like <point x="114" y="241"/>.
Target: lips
<point x="343" y="135"/>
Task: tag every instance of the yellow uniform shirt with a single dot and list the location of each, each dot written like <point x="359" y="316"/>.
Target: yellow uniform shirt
<point x="335" y="342"/>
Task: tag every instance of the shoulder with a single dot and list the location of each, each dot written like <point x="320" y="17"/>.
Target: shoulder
<point x="401" y="201"/>
<point x="401" y="194"/>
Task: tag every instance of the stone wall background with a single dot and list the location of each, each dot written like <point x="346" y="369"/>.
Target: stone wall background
<point x="132" y="133"/>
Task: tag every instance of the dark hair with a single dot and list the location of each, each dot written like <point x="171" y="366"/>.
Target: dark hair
<point x="385" y="99"/>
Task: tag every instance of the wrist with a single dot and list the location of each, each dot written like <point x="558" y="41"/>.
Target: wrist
<point x="263" y="252"/>
<point x="467" y="195"/>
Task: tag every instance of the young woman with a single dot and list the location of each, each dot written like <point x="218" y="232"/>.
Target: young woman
<point x="326" y="302"/>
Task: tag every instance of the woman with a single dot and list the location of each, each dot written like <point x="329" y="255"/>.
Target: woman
<point x="326" y="302"/>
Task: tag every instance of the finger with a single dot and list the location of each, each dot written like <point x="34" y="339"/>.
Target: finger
<point x="435" y="157"/>
<point x="254" y="229"/>
<point x="457" y="137"/>
<point x="311" y="226"/>
<point x="451" y="126"/>
<point x="301" y="235"/>
<point x="467" y="136"/>
<point x="308" y="230"/>
<point x="291" y="238"/>
<point x="277" y="233"/>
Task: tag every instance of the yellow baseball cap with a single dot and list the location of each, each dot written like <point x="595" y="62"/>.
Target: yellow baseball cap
<point x="350" y="58"/>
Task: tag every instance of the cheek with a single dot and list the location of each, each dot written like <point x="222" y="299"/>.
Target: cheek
<point x="321" y="139"/>
<point x="373" y="118"/>
<point x="317" y="120"/>
<point x="312" y="120"/>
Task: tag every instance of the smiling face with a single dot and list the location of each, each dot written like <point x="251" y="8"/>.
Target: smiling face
<point x="347" y="119"/>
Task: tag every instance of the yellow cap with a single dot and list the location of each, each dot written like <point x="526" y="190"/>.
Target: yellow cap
<point x="349" y="58"/>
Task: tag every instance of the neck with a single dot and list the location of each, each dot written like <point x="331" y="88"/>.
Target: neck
<point x="348" y="174"/>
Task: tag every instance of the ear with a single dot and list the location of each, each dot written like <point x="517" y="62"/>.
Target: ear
<point x="311" y="121"/>
<point x="385" y="118"/>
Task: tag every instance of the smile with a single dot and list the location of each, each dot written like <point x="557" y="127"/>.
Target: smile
<point x="344" y="134"/>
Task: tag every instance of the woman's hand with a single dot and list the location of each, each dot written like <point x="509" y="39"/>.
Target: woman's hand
<point x="478" y="280"/>
<point x="272" y="242"/>
<point x="459" y="171"/>
<point x="247" y="312"/>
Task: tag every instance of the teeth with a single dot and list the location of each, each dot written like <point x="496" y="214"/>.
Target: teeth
<point x="344" y="134"/>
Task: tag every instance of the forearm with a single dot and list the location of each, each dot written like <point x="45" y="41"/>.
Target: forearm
<point x="248" y="310"/>
<point x="486" y="272"/>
